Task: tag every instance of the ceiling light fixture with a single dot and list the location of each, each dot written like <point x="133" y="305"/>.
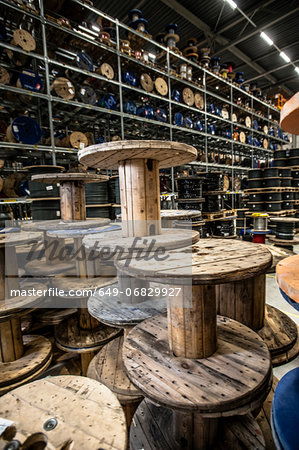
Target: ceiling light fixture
<point x="297" y="70"/>
<point x="266" y="38"/>
<point x="232" y="4"/>
<point x="285" y="57"/>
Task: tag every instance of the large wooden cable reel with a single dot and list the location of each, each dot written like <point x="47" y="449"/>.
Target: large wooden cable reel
<point x="188" y="96"/>
<point x="24" y="39"/>
<point x="76" y="139"/>
<point x="106" y="70"/>
<point x="4" y="76"/>
<point x="161" y="86"/>
<point x="199" y="100"/>
<point x="64" y="88"/>
<point x="147" y="82"/>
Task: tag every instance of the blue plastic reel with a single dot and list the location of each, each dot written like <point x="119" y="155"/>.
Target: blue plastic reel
<point x="211" y="108"/>
<point x="271" y="132"/>
<point x="161" y="115"/>
<point x="135" y="24"/>
<point x="176" y="95"/>
<point x="250" y="140"/>
<point x="171" y="28"/>
<point x="279" y="134"/>
<point x="26" y="130"/>
<point x="255" y="125"/>
<point x="146" y="111"/>
<point x="199" y="126"/>
<point x="218" y="111"/>
<point x="84" y="61"/>
<point x="130" y="108"/>
<point x="188" y="122"/>
<point x="99" y="140"/>
<point x="212" y="129"/>
<point x="257" y="142"/>
<point x="108" y="101"/>
<point x="179" y="119"/>
<point x="23" y="189"/>
<point x="134" y="12"/>
<point x="227" y="133"/>
<point x="30" y="80"/>
<point x="271" y="146"/>
<point x="239" y="78"/>
<point x="129" y="78"/>
<point x="215" y="62"/>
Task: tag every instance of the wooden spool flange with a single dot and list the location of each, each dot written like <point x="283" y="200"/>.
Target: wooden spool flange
<point x="72" y="193"/>
<point x="153" y="425"/>
<point x="107" y="367"/>
<point x="85" y="414"/>
<point x="22" y="359"/>
<point x="192" y="312"/>
<point x="234" y="380"/>
<point x="138" y="163"/>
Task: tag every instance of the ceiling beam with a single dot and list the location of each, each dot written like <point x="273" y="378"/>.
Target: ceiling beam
<point x="256" y="30"/>
<point x="282" y="83"/>
<point x="276" y="69"/>
<point x="241" y="18"/>
<point x="184" y="12"/>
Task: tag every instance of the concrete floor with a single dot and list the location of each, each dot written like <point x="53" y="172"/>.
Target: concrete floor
<point x="274" y="298"/>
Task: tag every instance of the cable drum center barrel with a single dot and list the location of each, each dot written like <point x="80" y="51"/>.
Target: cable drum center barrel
<point x="138" y="163"/>
<point x="260" y="221"/>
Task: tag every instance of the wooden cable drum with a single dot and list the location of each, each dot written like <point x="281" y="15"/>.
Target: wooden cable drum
<point x="106" y="70"/>
<point x="76" y="140"/>
<point x="63" y="88"/>
<point x="188" y="96"/>
<point x="161" y="86"/>
<point x="147" y="82"/>
<point x="4" y="76"/>
<point x="107" y="368"/>
<point x="9" y="135"/>
<point x="199" y="100"/>
<point x="11" y="184"/>
<point x="237" y="184"/>
<point x="242" y="137"/>
<point x="265" y="143"/>
<point x="234" y="117"/>
<point x="248" y="122"/>
<point x="225" y="182"/>
<point x="24" y="40"/>
<point x="154" y="426"/>
<point x="66" y="412"/>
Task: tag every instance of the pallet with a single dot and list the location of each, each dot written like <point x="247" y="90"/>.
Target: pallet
<point x="285" y="212"/>
<point x="219" y="215"/>
<point x="271" y="189"/>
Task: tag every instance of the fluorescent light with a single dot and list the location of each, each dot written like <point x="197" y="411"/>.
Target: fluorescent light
<point x="297" y="70"/>
<point x="266" y="38"/>
<point x="152" y="55"/>
<point x="84" y="34"/>
<point x="95" y="28"/>
<point x="232" y="4"/>
<point x="285" y="57"/>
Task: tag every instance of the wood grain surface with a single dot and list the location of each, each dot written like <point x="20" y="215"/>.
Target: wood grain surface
<point x="235" y="376"/>
<point x="68" y="177"/>
<point x="88" y="414"/>
<point x="287" y="276"/>
<point x="152" y="429"/>
<point x="36" y="357"/>
<point x="71" y="337"/>
<point x="168" y="239"/>
<point x="108" y="155"/>
<point x="209" y="261"/>
<point x="113" y="311"/>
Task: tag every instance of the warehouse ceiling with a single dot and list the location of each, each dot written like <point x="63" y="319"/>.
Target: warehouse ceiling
<point x="229" y="34"/>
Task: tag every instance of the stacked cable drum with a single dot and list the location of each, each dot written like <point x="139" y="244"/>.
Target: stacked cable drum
<point x="190" y="198"/>
<point x="114" y="197"/>
<point x="97" y="204"/>
<point x="272" y="189"/>
<point x="220" y="221"/>
<point x="45" y="198"/>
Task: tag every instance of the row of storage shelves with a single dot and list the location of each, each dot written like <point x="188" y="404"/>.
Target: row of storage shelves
<point x="100" y="93"/>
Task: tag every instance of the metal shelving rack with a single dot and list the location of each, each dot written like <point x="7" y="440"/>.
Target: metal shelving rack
<point x="224" y="92"/>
